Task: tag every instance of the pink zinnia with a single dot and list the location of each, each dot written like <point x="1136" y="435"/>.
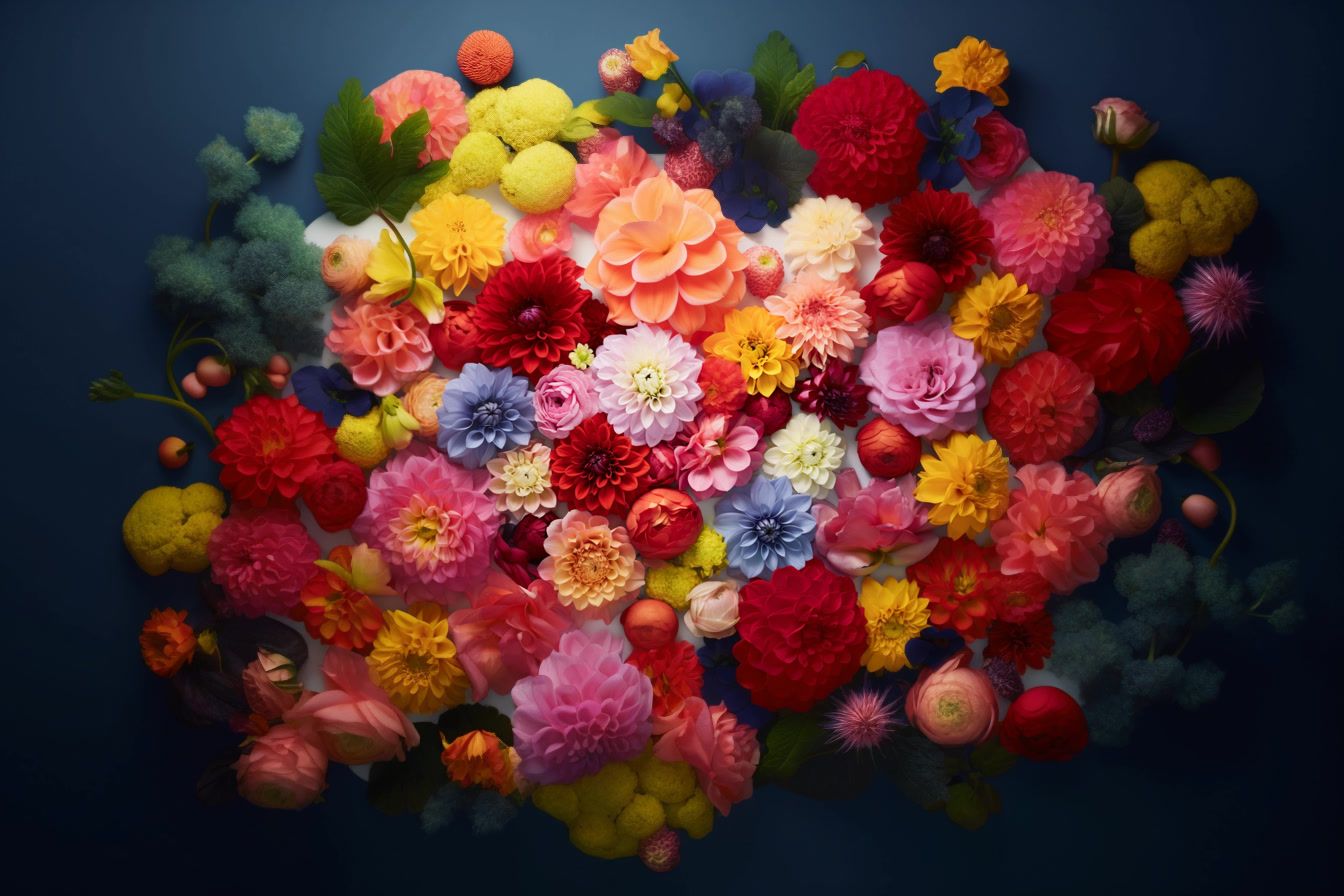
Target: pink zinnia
<point x="925" y="378"/>
<point x="584" y="708"/>
<point x="879" y="523"/>
<point x="506" y="632"/>
<point x="1218" y="300"/>
<point x="723" y="751"/>
<point x="1050" y="230"/>
<point x="262" y="559"/>
<point x="604" y="175"/>
<point x="439" y="95"/>
<point x="823" y="318"/>
<point x="719" y="454"/>
<point x="384" y="346"/>
<point x="647" y="383"/>
<point x="1055" y="527"/>
<point x="535" y="237"/>
<point x="433" y="523"/>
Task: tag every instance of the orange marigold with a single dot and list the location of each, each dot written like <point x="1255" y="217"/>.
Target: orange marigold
<point x="334" y="611"/>
<point x="479" y="759"/>
<point x="166" y="641"/>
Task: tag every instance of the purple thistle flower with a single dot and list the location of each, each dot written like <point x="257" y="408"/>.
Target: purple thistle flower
<point x="862" y="720"/>
<point x="1218" y="300"/>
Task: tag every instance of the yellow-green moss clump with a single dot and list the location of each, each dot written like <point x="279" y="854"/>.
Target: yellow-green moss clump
<point x="168" y="527"/>
<point x="1190" y="215"/>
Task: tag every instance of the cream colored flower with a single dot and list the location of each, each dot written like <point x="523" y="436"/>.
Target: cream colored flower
<point x="520" y="480"/>
<point x="807" y="452"/>
<point x="826" y="235"/>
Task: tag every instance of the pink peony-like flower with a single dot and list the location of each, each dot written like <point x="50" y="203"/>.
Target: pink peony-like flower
<point x="1003" y="149"/>
<point x="433" y="523"/>
<point x="564" y="398"/>
<point x="823" y="318"/>
<point x="719" y="454"/>
<point x="262" y="558"/>
<point x="343" y="264"/>
<point x="535" y="237"/>
<point x="954" y="704"/>
<point x="604" y="175"/>
<point x="282" y="770"/>
<point x="584" y="708"/>
<point x="723" y="751"/>
<point x="925" y="378"/>
<point x="647" y="383"/>
<point x="270" y="684"/>
<point x="384" y="346"/>
<point x="712" y="610"/>
<point x="1055" y="527"/>
<point x="1042" y="408"/>
<point x="869" y="526"/>
<point x="353" y="719"/>
<point x="593" y="567"/>
<point x="1050" y="230"/>
<point x="1131" y="499"/>
<point x="506" y="632"/>
<point x="442" y="99"/>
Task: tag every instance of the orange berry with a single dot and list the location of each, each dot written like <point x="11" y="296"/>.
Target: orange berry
<point x="174" y="453"/>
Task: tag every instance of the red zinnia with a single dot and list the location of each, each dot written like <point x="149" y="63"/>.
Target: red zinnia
<point x="676" y="674"/>
<point x="862" y="128"/>
<point x="597" y="469"/>
<point x="269" y="447"/>
<point x="530" y="315"/>
<point x="1020" y="597"/>
<point x="1120" y="327"/>
<point x="941" y="229"/>
<point x="834" y="393"/>
<point x="1024" y="644"/>
<point x="1042" y="408"/>
<point x="960" y="582"/>
<point x="802" y="636"/>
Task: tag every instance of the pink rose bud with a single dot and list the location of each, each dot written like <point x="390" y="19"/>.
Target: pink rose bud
<point x="1131" y="499"/>
<point x="343" y="265"/>
<point x="1122" y="123"/>
<point x="713" y="609"/>
<point x="283" y="770"/>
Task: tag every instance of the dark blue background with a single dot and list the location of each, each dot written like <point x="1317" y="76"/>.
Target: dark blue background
<point x="106" y="106"/>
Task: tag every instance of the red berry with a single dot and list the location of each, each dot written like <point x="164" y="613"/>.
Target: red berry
<point x="660" y="851"/>
<point x="649" y="623"/>
<point x="887" y="449"/>
<point x="688" y="168"/>
<point x="765" y="271"/>
<point x="174" y="453"/>
<point x="192" y="385"/>
<point x="1206" y="453"/>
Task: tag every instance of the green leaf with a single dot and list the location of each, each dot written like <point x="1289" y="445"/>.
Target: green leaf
<point x="780" y="85"/>
<point x="990" y="758"/>
<point x="795" y="91"/>
<point x="476" y="717"/>
<point x="576" y="129"/>
<point x="1134" y="403"/>
<point x="779" y="153"/>
<point x="636" y="111"/>
<point x="363" y="176"/>
<point x="917" y="767"/>
<point x="966" y="806"/>
<point x="398" y="787"/>
<point x="790" y="742"/>
<point x="849" y="59"/>
<point x="1125" y="204"/>
<point x="1217" y="391"/>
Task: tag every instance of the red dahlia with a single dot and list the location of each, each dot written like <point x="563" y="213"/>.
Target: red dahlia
<point x="1120" y="327"/>
<point x="802" y="636"/>
<point x="269" y="447"/>
<point x="862" y="128"/>
<point x="834" y="393"/>
<point x="596" y="323"/>
<point x="530" y="315"/>
<point x="676" y="674"/>
<point x="941" y="229"/>
<point x="1020" y="597"/>
<point x="1024" y="644"/>
<point x="1042" y="408"/>
<point x="597" y="469"/>
<point x="959" y="580"/>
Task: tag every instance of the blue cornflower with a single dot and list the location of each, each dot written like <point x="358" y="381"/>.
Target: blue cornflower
<point x="484" y="412"/>
<point x="330" y="392"/>
<point x="766" y="525"/>
<point x="751" y="196"/>
<point x="949" y="125"/>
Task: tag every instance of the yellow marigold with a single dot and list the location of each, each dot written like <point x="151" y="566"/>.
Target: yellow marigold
<point x="540" y="179"/>
<point x="650" y="56"/>
<point x="415" y="661"/>
<point x="459" y="239"/>
<point x="750" y="338"/>
<point x="895" y="613"/>
<point x="975" y="65"/>
<point x="478" y="759"/>
<point x="999" y="315"/>
<point x="966" y="482"/>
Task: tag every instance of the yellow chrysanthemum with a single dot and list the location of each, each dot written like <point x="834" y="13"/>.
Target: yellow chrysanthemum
<point x="415" y="660"/>
<point x="390" y="271"/>
<point x="966" y="482"/>
<point x="750" y="338"/>
<point x="999" y="315"/>
<point x="975" y="65"/>
<point x="650" y="56"/>
<point x="460" y="239"/>
<point x="895" y="613"/>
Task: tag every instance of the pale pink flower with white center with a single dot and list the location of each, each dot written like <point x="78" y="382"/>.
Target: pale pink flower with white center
<point x="823" y="318"/>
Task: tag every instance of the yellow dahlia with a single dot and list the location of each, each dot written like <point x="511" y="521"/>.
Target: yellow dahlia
<point x="415" y="661"/>
<point x="459" y="239"/>
<point x="975" y="65"/>
<point x="999" y="315"/>
<point x="895" y="613"/>
<point x="390" y="271"/>
<point x="750" y="338"/>
<point x="591" y="565"/>
<point x="966" y="482"/>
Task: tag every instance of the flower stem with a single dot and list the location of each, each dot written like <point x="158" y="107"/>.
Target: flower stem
<point x="1231" y="504"/>
<point x="410" y="259"/>
<point x="1115" y="161"/>
<point x="214" y="206"/>
<point x="685" y="88"/>
<point x="181" y="405"/>
<point x="168" y="362"/>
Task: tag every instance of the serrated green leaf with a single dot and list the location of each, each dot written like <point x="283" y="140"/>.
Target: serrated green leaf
<point x="576" y="129"/>
<point x="1217" y="391"/>
<point x="849" y="59"/>
<point x="636" y="111"/>
<point x="775" y="65"/>
<point x="397" y="787"/>
<point x="780" y="153"/>
<point x="966" y="807"/>
<point x="795" y="91"/>
<point x="789" y="743"/>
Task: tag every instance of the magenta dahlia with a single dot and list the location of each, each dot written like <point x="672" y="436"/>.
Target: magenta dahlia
<point x="262" y="559"/>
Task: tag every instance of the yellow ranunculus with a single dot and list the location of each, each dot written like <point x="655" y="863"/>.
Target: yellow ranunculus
<point x="390" y="271"/>
<point x="673" y="100"/>
<point x="650" y="56"/>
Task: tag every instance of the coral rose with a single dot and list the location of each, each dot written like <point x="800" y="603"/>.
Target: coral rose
<point x="954" y="704"/>
<point x="283" y="770"/>
<point x="343" y="264"/>
<point x="506" y="632"/>
<point x="353" y="719"/>
<point x="1003" y="149"/>
<point x="1044" y="724"/>
<point x="723" y="751"/>
<point x="663" y="523"/>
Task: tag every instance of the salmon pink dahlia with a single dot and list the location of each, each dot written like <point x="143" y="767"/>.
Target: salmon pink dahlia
<point x="384" y="346"/>
<point x="529" y="315"/>
<point x="1042" y="408"/>
<point x="938" y="228"/>
<point x="592" y="566"/>
<point x="823" y="318"/>
<point x="1055" y="527"/>
<point x="269" y="447"/>
<point x="439" y="95"/>
<point x="1050" y="230"/>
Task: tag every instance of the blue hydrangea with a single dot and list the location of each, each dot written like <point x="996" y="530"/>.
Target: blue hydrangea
<point x="766" y="526"/>
<point x="949" y="126"/>
<point x="484" y="412"/>
<point x="275" y="135"/>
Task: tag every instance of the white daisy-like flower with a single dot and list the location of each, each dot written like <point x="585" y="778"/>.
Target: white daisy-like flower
<point x="807" y="452"/>
<point x="826" y="234"/>
<point x="647" y="383"/>
<point x="520" y="480"/>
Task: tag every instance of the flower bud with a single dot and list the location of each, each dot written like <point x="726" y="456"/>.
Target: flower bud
<point x="1122" y="123"/>
<point x="1131" y="499"/>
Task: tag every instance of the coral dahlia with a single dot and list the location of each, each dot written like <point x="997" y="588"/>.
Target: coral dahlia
<point x="1055" y="527"/>
<point x="1050" y="230"/>
<point x="1042" y="408"/>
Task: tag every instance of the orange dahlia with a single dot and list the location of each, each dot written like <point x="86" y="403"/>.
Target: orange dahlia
<point x="334" y="611"/>
<point x="166" y="642"/>
<point x="960" y="581"/>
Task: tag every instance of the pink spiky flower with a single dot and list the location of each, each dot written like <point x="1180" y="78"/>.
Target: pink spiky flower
<point x="862" y="720"/>
<point x="1218" y="300"/>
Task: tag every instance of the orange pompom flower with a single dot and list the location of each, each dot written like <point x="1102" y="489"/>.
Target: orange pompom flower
<point x="166" y="642"/>
<point x="479" y="759"/>
<point x="485" y="57"/>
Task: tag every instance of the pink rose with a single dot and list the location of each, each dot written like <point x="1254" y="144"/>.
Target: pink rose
<point x="506" y="632"/>
<point x="271" y="684"/>
<point x="879" y="523"/>
<point x="565" y="397"/>
<point x="1003" y="149"/>
<point x="713" y="609"/>
<point x="1131" y="499"/>
<point x="722" y="750"/>
<point x="343" y="264"/>
<point x="1122" y="123"/>
<point x="283" y="770"/>
<point x="353" y="719"/>
<point x="953" y="704"/>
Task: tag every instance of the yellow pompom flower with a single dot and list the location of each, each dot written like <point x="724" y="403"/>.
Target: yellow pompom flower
<point x="650" y="56"/>
<point x="1239" y="198"/>
<point x="169" y="527"/>
<point x="540" y="179"/>
<point x="360" y="439"/>
<point x="895" y="613"/>
<point x="695" y="816"/>
<point x="477" y="160"/>
<point x="750" y="339"/>
<point x="415" y="661"/>
<point x="607" y="791"/>
<point x="444" y="186"/>
<point x="975" y="65"/>
<point x="483" y="110"/>
<point x="641" y="818"/>
<point x="1164" y="186"/>
<point x="560" y="801"/>
<point x="999" y="315"/>
<point x="531" y="113"/>
<point x="966" y="481"/>
<point x="390" y="271"/>
<point x="707" y="555"/>
<point x="1159" y="248"/>
<point x="671" y="584"/>
<point x="673" y="100"/>
<point x="460" y="239"/>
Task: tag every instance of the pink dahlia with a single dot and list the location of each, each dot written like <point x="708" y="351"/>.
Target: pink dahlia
<point x="384" y="346"/>
<point x="506" y="632"/>
<point x="647" y="383"/>
<point x="1050" y="230"/>
<point x="925" y="378"/>
<point x="604" y="175"/>
<point x="584" y="708"/>
<point x="869" y="526"/>
<point x="1042" y="408"/>
<point x="723" y="751"/>
<point x="433" y="522"/>
<point x="262" y="558"/>
<point x="1055" y="527"/>
<point x="439" y="95"/>
<point x="823" y="318"/>
<point x="719" y="454"/>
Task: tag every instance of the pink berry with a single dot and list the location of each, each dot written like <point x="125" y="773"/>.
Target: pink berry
<point x="1206" y="453"/>
<point x="277" y="380"/>
<point x="765" y="271"/>
<point x="213" y="372"/>
<point x="1200" y="510"/>
<point x="660" y="851"/>
<point x="617" y="72"/>
<point x="192" y="385"/>
<point x="688" y="168"/>
<point x="278" y="364"/>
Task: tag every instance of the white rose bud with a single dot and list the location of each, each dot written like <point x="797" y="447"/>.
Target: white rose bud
<point x="713" y="609"/>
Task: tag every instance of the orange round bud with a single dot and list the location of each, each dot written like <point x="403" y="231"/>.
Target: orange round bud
<point x="887" y="450"/>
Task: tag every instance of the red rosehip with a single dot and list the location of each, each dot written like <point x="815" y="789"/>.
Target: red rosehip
<point x="1206" y="453"/>
<point x="212" y="372"/>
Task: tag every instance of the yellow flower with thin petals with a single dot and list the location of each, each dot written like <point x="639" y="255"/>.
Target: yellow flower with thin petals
<point x="459" y="239"/>
<point x="673" y="100"/>
<point x="966" y="482"/>
<point x="750" y="338"/>
<point x="895" y="613"/>
<point x="650" y="56"/>
<point x="390" y="271"/>
<point x="999" y="315"/>
<point x="415" y="661"/>
<point x="975" y="65"/>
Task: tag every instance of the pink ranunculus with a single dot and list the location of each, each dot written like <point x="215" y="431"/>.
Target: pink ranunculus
<point x="282" y="770"/>
<point x="604" y="175"/>
<point x="343" y="264"/>
<point x="565" y="397"/>
<point x="869" y="526"/>
<point x="712" y="610"/>
<point x="1122" y="123"/>
<point x="719" y="453"/>
<point x="352" y="720"/>
<point x="440" y="96"/>
<point x="384" y="346"/>
<point x="954" y="704"/>
<point x="1131" y="499"/>
<point x="723" y="751"/>
<point x="271" y="684"/>
<point x="1003" y="149"/>
<point x="535" y="237"/>
<point x="925" y="378"/>
<point x="506" y="632"/>
<point x="1055" y="527"/>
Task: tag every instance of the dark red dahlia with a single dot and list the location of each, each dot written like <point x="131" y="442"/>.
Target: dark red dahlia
<point x="941" y="229"/>
<point x="1024" y="644"/>
<point x="862" y="128"/>
<point x="959" y="580"/>
<point x="519" y="547"/>
<point x="530" y="315"/>
<point x="835" y="393"/>
<point x="802" y="636"/>
<point x="597" y="469"/>
<point x="676" y="674"/>
<point x="597" y="325"/>
<point x="269" y="447"/>
<point x="1020" y="597"/>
